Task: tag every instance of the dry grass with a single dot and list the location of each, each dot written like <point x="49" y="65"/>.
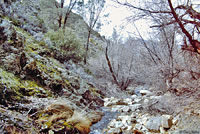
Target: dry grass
<point x="80" y="122"/>
<point x="15" y="130"/>
<point x="64" y="116"/>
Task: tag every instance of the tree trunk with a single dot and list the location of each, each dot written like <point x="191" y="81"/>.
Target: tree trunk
<point x="66" y="17"/>
<point x="60" y="21"/>
<point x="189" y="36"/>
<point x="87" y="46"/>
<point x="111" y="68"/>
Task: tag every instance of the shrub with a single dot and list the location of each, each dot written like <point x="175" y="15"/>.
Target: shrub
<point x="66" y="45"/>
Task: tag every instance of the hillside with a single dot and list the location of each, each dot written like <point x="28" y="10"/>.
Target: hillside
<point x="39" y="93"/>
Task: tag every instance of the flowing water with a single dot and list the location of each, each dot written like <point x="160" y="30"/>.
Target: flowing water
<point x="103" y="123"/>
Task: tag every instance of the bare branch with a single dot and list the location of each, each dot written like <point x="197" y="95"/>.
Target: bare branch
<point x="142" y="9"/>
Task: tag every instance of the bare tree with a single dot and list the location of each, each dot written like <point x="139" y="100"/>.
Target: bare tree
<point x="94" y="9"/>
<point x="183" y="14"/>
<point x="124" y="82"/>
<point x="57" y="11"/>
<point x="70" y="6"/>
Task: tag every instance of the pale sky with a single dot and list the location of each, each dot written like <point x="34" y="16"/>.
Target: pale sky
<point x="117" y="19"/>
<point x="117" y="16"/>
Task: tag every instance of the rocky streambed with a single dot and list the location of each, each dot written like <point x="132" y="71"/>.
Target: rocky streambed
<point x="144" y="113"/>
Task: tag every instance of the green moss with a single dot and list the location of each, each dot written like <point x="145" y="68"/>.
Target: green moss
<point x="12" y="84"/>
<point x="19" y="88"/>
<point x="68" y="125"/>
<point x="48" y="124"/>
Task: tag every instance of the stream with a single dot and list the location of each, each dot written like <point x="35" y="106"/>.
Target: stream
<point x="108" y="116"/>
<point x="103" y="123"/>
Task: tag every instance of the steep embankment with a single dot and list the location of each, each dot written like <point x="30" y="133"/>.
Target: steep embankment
<point x="38" y="92"/>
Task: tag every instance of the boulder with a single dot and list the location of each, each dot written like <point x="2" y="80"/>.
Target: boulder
<point x="166" y="121"/>
<point x="153" y="124"/>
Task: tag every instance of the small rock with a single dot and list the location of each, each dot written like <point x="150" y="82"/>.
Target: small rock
<point x="125" y="109"/>
<point x="106" y="99"/>
<point x="128" y="130"/>
<point x="118" y="124"/>
<point x="114" y="131"/>
<point x="146" y="101"/>
<point x="136" y="100"/>
<point x="145" y="92"/>
<point x="134" y="115"/>
<point x="138" y="126"/>
<point x="162" y="130"/>
<point x="116" y="108"/>
<point x="155" y="97"/>
<point x="166" y="121"/>
<point x="107" y="103"/>
<point x="135" y="107"/>
<point x="175" y="121"/>
<point x="144" y="129"/>
<point x="112" y="124"/>
<point x="144" y="120"/>
<point x="134" y="96"/>
<point x="128" y="101"/>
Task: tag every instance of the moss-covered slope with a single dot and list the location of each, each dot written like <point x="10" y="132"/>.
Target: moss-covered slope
<point x="33" y="77"/>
